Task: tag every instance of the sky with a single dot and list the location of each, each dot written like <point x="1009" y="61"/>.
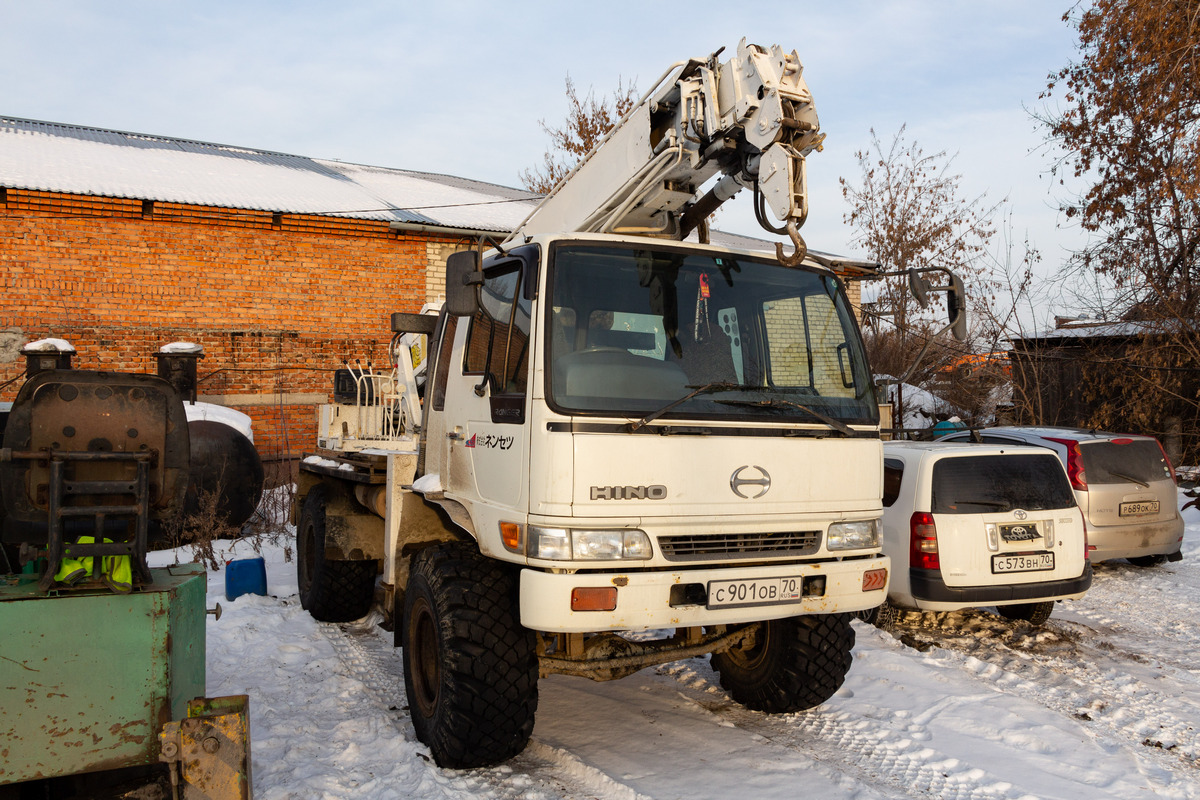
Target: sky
<point x="460" y="87"/>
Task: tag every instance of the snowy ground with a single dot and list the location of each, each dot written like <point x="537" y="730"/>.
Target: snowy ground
<point x="1103" y="702"/>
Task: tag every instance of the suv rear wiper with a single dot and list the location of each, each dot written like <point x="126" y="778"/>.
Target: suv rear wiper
<point x="779" y="402"/>
<point x="708" y="388"/>
<point x="1129" y="478"/>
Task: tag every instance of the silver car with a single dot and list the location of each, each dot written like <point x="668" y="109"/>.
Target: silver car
<point x="1124" y="484"/>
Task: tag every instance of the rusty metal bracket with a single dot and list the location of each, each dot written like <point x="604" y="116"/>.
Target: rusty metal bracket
<point x="209" y="752"/>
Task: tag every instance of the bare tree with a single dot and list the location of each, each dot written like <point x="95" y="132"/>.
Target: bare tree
<point x="1129" y="129"/>
<point x="588" y="120"/>
<point x="907" y="212"/>
<point x="1127" y="125"/>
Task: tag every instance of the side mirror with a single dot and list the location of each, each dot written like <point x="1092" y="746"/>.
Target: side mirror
<point x="919" y="288"/>
<point x="956" y="306"/>
<point x="462" y="283"/>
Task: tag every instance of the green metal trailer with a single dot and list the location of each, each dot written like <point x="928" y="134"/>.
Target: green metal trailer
<point x="89" y="678"/>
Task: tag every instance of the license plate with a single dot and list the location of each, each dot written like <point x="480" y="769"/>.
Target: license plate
<point x="1140" y="507"/>
<point x="1030" y="562"/>
<point x="755" y="592"/>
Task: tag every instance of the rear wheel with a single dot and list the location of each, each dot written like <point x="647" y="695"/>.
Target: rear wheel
<point x="792" y="664"/>
<point x="1147" y="561"/>
<point x="869" y="615"/>
<point x="470" y="668"/>
<point x="332" y="590"/>
<point x="1033" y="613"/>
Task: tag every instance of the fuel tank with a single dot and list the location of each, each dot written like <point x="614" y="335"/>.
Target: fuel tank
<point x="224" y="464"/>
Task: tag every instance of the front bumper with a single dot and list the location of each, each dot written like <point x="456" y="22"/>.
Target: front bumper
<point x="644" y="599"/>
<point x="932" y="593"/>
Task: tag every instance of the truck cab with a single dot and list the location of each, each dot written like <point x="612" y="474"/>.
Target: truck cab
<point x="698" y="420"/>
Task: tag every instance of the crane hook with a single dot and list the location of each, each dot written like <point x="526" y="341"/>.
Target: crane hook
<point x="794" y="260"/>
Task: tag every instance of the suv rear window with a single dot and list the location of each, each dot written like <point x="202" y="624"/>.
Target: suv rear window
<point x="1139" y="460"/>
<point x="998" y="483"/>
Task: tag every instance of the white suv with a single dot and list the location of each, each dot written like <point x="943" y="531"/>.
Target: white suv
<point x="1123" y="483"/>
<point x="971" y="525"/>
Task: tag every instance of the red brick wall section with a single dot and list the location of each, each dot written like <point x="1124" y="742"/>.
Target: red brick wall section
<point x="277" y="301"/>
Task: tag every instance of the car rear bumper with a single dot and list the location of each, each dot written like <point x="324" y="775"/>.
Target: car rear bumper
<point x="928" y="587"/>
<point x="1135" y="539"/>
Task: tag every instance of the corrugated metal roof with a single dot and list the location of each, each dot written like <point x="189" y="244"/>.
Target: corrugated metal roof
<point x="49" y="156"/>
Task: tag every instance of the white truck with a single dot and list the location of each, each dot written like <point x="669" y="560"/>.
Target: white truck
<point x="628" y="449"/>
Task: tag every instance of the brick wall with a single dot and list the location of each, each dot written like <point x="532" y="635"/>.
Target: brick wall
<point x="278" y="301"/>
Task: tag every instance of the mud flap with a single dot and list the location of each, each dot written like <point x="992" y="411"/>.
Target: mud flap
<point x="209" y="752"/>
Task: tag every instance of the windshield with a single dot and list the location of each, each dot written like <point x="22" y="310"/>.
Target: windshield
<point x="634" y="329"/>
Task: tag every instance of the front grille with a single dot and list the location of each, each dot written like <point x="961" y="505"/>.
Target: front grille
<point x="701" y="547"/>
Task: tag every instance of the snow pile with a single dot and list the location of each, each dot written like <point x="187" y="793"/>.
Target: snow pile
<point x="922" y="408"/>
<point x="49" y="346"/>
<point x="186" y="348"/>
<point x="227" y="416"/>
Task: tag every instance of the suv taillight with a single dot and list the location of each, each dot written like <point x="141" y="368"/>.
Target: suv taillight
<point x="1074" y="463"/>
<point x="924" y="545"/>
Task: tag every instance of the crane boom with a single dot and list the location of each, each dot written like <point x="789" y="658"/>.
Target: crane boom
<point x="749" y="122"/>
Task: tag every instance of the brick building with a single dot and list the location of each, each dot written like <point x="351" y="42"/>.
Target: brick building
<point x="280" y="266"/>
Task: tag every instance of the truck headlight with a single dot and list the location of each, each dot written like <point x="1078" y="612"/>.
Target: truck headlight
<point x="853" y="535"/>
<point x="566" y="544"/>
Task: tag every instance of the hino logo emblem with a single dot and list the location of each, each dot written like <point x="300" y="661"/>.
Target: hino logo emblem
<point x="656" y="492"/>
<point x="737" y="481"/>
<point x="1020" y="514"/>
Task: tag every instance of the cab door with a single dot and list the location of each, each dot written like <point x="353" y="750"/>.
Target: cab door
<point x="484" y="434"/>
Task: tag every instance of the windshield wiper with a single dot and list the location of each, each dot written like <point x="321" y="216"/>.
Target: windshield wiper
<point x="708" y="388"/>
<point x="1129" y="478"/>
<point x="779" y="402"/>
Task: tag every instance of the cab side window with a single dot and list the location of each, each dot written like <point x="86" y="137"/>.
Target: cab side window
<point x="498" y="341"/>
<point x="893" y="474"/>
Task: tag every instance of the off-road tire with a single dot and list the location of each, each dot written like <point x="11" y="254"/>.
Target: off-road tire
<point x="1147" y="561"/>
<point x="1033" y="613"/>
<point x="470" y="668"/>
<point x="794" y="664"/>
<point x="332" y="590"/>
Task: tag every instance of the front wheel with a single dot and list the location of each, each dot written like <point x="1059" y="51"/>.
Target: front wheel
<point x="792" y="664"/>
<point x="470" y="668"/>
<point x="1033" y="613"/>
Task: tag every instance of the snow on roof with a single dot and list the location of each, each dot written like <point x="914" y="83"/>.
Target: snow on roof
<point x="47" y="156"/>
<point x="56" y="157"/>
<point x="1100" y="330"/>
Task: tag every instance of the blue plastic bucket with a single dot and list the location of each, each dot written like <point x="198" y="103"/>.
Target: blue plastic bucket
<point x="245" y="576"/>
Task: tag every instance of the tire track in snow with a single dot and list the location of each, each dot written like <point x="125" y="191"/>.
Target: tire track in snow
<point x="541" y="772"/>
<point x="1070" y="672"/>
<point x="891" y="763"/>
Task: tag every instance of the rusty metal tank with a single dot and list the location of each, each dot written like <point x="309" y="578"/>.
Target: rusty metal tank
<point x="84" y="413"/>
<point x="224" y="465"/>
